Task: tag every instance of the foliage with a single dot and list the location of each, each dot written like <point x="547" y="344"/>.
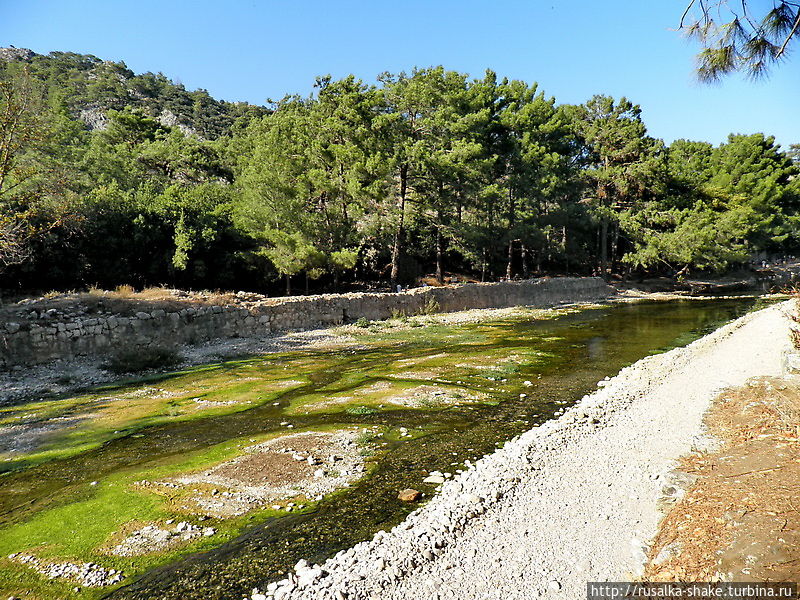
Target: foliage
<point x="135" y="360"/>
<point x="734" y="37"/>
<point x="426" y="171"/>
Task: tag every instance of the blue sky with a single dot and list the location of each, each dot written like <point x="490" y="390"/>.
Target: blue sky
<point x="254" y="50"/>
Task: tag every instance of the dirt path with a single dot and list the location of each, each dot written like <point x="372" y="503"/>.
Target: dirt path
<point x="572" y="501"/>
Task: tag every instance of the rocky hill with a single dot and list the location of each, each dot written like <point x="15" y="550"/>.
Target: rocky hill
<point x="89" y="86"/>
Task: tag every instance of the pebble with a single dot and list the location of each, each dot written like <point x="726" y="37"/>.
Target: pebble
<point x="409" y="495"/>
<point x="435" y="479"/>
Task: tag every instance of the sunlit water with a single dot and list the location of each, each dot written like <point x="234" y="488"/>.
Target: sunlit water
<point x="560" y="359"/>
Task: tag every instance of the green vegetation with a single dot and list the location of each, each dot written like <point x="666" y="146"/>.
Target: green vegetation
<point x="420" y="172"/>
<point x="70" y="426"/>
<point x="740" y="37"/>
<point x="73" y="493"/>
<point x="141" y="359"/>
<point x="82" y="529"/>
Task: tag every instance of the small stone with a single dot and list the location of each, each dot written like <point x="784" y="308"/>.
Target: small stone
<point x="436" y="479"/>
<point x="554" y="586"/>
<point x="409" y="495"/>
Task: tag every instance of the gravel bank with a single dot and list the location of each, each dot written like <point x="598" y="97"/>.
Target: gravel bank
<point x="571" y="501"/>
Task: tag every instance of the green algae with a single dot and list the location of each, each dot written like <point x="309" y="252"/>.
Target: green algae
<point x="496" y="379"/>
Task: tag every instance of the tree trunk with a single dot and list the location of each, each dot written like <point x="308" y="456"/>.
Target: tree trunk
<point x="288" y="284"/>
<point x="524" y="255"/>
<point x="399" y="233"/>
<point x="511" y="220"/>
<point x="307" y="287"/>
<point x="509" y="266"/>
<point x="614" y="248"/>
<point x="604" y="248"/>
<point x="439" y="251"/>
<point x="564" y="244"/>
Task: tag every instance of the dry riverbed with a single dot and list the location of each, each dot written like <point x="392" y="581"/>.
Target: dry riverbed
<point x="574" y="500"/>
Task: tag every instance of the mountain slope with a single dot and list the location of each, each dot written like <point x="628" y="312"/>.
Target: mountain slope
<point x="89" y="87"/>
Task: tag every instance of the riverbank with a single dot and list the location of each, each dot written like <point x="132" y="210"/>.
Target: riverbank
<point x="75" y="374"/>
<point x="573" y="500"/>
<point x="139" y="331"/>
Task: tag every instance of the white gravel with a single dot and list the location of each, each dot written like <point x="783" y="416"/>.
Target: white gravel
<point x="571" y="501"/>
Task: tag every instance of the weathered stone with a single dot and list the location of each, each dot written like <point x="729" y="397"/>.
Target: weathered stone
<point x="409" y="495"/>
<point x="435" y="479"/>
<point x="196" y="324"/>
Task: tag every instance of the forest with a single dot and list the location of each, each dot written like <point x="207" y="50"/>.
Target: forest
<point x="109" y="178"/>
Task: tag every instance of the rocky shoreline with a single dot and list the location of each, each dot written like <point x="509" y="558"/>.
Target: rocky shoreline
<point x="573" y="500"/>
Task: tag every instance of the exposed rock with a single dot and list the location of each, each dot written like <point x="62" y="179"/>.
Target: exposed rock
<point x="409" y="495"/>
<point x="87" y="574"/>
<point x="10" y="54"/>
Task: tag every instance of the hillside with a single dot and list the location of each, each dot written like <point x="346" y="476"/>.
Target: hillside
<point x="90" y="86"/>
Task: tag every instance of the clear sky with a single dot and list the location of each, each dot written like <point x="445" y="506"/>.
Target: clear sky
<point x="255" y="50"/>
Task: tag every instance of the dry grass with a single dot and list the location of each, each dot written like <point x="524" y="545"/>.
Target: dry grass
<point x="124" y="300"/>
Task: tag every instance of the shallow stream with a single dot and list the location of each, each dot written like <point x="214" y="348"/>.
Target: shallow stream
<point x="491" y="381"/>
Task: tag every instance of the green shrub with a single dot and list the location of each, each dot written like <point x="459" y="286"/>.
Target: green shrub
<point x="430" y="307"/>
<point x="133" y="360"/>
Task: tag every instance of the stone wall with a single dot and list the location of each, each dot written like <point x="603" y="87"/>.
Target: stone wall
<point x="45" y="338"/>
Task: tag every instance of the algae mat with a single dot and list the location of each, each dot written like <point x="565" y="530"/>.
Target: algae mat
<point x="420" y="396"/>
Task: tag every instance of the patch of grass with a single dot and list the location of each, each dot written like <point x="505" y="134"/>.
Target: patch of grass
<point x="398" y="314"/>
<point x="430" y="307"/>
<point x="360" y="410"/>
<point x="367" y="437"/>
<point x="124" y="291"/>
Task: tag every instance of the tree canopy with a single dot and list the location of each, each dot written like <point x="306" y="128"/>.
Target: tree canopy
<point x="363" y="184"/>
